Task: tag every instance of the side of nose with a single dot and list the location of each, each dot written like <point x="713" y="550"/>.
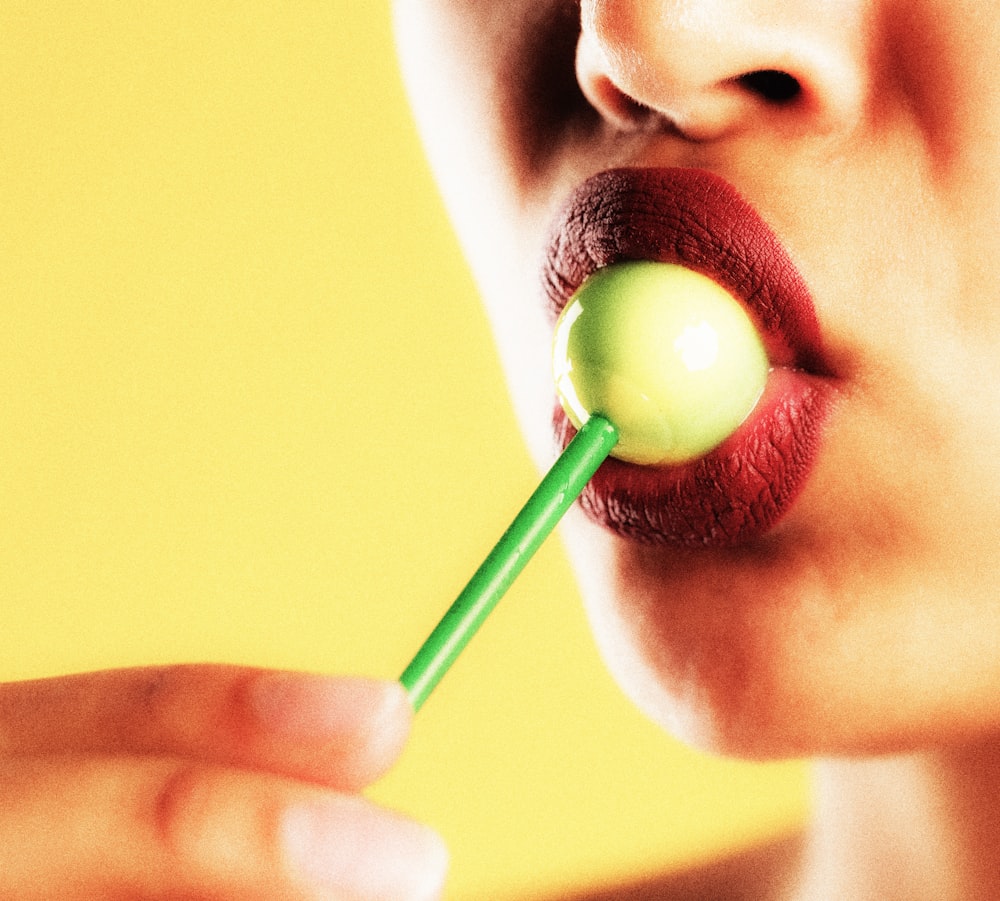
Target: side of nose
<point x="710" y="69"/>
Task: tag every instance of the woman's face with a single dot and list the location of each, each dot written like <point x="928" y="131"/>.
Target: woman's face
<point x="828" y="581"/>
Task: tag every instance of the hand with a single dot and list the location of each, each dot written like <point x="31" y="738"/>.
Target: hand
<point x="205" y="782"/>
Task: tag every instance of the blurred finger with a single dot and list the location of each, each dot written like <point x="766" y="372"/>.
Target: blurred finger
<point x="85" y="828"/>
<point x="342" y="732"/>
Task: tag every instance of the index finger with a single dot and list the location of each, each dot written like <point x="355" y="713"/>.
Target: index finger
<point x="343" y="732"/>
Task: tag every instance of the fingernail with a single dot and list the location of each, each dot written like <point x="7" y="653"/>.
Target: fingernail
<point x="349" y="846"/>
<point x="307" y="706"/>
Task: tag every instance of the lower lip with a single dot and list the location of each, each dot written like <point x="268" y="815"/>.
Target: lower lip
<point x="730" y="497"/>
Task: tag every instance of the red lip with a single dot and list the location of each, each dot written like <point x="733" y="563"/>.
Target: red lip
<point x="740" y="490"/>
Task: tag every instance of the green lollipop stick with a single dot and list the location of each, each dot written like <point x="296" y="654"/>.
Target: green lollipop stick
<point x="664" y="353"/>
<point x="559" y="488"/>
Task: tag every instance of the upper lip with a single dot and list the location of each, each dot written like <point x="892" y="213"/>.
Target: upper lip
<point x="740" y="490"/>
<point x="696" y="219"/>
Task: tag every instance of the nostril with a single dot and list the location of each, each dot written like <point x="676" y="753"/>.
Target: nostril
<point x="771" y="85"/>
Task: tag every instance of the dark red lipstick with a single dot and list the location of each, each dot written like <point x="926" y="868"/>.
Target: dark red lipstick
<point x="741" y="489"/>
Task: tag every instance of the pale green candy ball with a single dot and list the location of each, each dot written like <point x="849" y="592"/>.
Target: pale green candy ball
<point x="666" y="354"/>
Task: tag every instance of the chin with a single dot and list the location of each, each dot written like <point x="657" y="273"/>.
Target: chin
<point x="752" y="653"/>
<point x="679" y="657"/>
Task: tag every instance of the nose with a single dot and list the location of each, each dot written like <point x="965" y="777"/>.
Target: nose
<point x="710" y="69"/>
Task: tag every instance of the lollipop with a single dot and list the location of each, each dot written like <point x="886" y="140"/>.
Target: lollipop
<point x="654" y="364"/>
<point x="665" y="354"/>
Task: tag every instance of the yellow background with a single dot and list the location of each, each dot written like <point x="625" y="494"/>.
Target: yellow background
<point x="250" y="412"/>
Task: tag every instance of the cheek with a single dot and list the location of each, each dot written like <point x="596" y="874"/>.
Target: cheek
<point x="459" y="106"/>
<point x="455" y="101"/>
<point x="493" y="90"/>
<point x="523" y="340"/>
<point x="451" y="101"/>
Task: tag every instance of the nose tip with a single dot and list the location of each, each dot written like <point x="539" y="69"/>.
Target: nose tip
<point x="709" y="68"/>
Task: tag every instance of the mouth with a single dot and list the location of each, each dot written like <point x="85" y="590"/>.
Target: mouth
<point x="743" y="488"/>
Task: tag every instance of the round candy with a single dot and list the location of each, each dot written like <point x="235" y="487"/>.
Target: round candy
<point x="664" y="353"/>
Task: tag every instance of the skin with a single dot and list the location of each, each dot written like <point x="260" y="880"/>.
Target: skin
<point x="206" y="782"/>
<point x="864" y="630"/>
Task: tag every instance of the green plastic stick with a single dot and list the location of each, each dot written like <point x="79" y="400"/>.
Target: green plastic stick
<point x="556" y="493"/>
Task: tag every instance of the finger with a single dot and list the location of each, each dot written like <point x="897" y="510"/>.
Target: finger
<point x="84" y="828"/>
<point x="341" y="732"/>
